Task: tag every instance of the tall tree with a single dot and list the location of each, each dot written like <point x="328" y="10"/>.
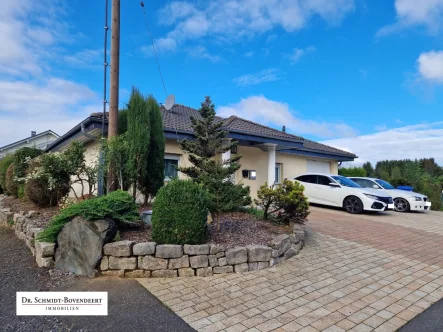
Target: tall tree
<point x="368" y="168"/>
<point x="138" y="138"/>
<point x="153" y="175"/>
<point x="208" y="168"/>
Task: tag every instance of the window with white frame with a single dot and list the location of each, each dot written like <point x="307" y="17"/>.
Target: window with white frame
<point x="278" y="173"/>
<point x="171" y="164"/>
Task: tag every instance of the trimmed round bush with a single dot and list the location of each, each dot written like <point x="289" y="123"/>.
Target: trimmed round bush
<point x="10" y="184"/>
<point x="179" y="213"/>
<point x="37" y="189"/>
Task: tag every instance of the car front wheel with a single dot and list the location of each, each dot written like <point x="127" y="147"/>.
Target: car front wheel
<point x="401" y="205"/>
<point x="353" y="205"/>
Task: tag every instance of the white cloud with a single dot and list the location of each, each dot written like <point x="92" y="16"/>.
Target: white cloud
<point x="41" y="105"/>
<point x="202" y="53"/>
<point x="268" y="75"/>
<point x="85" y="59"/>
<point x="233" y="20"/>
<point x="298" y="53"/>
<point x="430" y="66"/>
<point x="33" y="35"/>
<point x="273" y="113"/>
<point x="381" y="127"/>
<point x="409" y="142"/>
<point x="410" y="13"/>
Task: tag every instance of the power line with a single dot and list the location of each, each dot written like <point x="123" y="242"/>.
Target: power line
<point x="153" y="46"/>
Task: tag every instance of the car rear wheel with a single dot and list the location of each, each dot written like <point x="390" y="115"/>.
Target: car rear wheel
<point x="401" y="205"/>
<point x="353" y="205"/>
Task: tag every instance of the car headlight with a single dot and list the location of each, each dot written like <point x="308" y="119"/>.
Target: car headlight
<point x="372" y="197"/>
<point x="416" y="198"/>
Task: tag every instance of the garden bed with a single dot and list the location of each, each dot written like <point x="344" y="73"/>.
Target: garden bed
<point x="44" y="214"/>
<point x="236" y="229"/>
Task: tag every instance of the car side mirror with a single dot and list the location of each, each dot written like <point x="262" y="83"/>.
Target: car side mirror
<point x="333" y="184"/>
<point x="375" y="186"/>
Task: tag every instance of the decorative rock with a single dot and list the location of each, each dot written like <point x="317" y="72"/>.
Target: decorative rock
<point x="169" y="251"/>
<point x="16" y="216"/>
<point x="275" y="253"/>
<point x="164" y="273"/>
<point x="222" y="261"/>
<point x="213" y="261"/>
<point x="114" y="273"/>
<point x="276" y="260"/>
<point x="262" y="265"/>
<point x="237" y="255"/>
<point x="259" y="253"/>
<point x="44" y="249"/>
<point x="244" y="267"/>
<point x="31" y="214"/>
<point x="145" y="248"/>
<point x="281" y="243"/>
<point x="29" y="243"/>
<point x="220" y="254"/>
<point x="119" y="249"/>
<point x="138" y="274"/>
<point x="199" y="249"/>
<point x="9" y="218"/>
<point x="216" y="249"/>
<point x="44" y="261"/>
<point x="80" y="244"/>
<point x="178" y="263"/>
<point x="199" y="261"/>
<point x="104" y="264"/>
<point x="22" y="212"/>
<point x="33" y="232"/>
<point x="122" y="263"/>
<point x="204" y="272"/>
<point x="253" y="266"/>
<point x="223" y="269"/>
<point x="187" y="272"/>
<point x="152" y="263"/>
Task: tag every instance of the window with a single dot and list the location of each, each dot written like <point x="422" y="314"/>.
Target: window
<point x="345" y="181"/>
<point x="365" y="183"/>
<point x="307" y="178"/>
<point x="323" y="180"/>
<point x="278" y="173"/>
<point x="171" y="164"/>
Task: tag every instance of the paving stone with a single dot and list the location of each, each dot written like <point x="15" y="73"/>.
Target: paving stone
<point x="238" y="268"/>
<point x="186" y="272"/>
<point x="204" y="272"/>
<point x="164" y="273"/>
<point x="223" y="269"/>
<point x="138" y="274"/>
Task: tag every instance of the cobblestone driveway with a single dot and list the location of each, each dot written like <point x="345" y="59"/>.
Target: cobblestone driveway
<point x="356" y="273"/>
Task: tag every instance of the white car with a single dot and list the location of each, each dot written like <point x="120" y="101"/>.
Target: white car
<point x="404" y="201"/>
<point x="337" y="190"/>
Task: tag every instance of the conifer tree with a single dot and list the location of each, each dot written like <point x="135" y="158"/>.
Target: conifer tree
<point x="208" y="168"/>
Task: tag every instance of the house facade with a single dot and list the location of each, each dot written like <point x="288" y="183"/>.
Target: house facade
<point x="269" y="155"/>
<point x="39" y="141"/>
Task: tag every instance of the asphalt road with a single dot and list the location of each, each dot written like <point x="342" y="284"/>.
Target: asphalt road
<point x="131" y="307"/>
<point x="430" y="320"/>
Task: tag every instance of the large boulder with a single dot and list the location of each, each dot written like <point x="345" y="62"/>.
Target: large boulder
<point x="80" y="244"/>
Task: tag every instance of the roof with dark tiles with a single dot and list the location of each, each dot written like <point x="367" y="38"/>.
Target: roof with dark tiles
<point x="178" y="118"/>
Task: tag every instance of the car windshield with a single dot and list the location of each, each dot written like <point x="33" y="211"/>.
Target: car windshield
<point x="345" y="181"/>
<point x="385" y="184"/>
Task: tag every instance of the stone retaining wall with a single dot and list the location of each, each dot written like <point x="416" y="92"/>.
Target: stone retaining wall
<point x="130" y="259"/>
<point x="140" y="260"/>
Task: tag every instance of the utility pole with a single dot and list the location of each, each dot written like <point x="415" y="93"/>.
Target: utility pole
<point x="115" y="67"/>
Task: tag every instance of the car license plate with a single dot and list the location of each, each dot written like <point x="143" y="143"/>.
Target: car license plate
<point x="427" y="203"/>
<point x="391" y="206"/>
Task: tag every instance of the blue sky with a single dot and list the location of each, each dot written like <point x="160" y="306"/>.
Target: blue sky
<point x="361" y="75"/>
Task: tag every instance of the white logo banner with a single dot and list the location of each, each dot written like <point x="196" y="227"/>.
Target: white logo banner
<point x="62" y="303"/>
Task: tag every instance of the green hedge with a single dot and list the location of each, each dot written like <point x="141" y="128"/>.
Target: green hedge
<point x="180" y="213"/>
<point x="117" y="205"/>
<point x="352" y="171"/>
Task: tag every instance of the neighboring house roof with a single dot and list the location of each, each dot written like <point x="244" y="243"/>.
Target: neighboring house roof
<point x="178" y="120"/>
<point x="30" y="138"/>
